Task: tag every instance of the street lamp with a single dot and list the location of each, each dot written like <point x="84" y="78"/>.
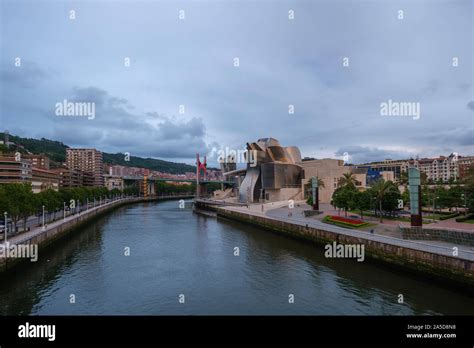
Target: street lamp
<point x="64" y="211"/>
<point x="5" y="214"/>
<point x="464" y="197"/>
<point x="43" y="218"/>
<point x="434" y="204"/>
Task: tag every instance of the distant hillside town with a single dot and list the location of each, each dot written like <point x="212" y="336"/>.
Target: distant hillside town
<point x="88" y="167"/>
<point x="82" y="167"/>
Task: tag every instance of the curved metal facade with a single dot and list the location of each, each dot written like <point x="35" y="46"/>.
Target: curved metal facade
<point x="277" y="167"/>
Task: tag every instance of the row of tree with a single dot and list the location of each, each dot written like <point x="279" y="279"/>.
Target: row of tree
<point x="383" y="196"/>
<point x="441" y="197"/>
<point x="19" y="201"/>
<point x="453" y="194"/>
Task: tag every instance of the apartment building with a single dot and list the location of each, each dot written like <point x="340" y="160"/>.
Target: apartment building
<point x="439" y="168"/>
<point x="90" y="162"/>
<point x="43" y="179"/>
<point x="464" y="164"/>
<point x="69" y="177"/>
<point x="13" y="171"/>
<point x="38" y="161"/>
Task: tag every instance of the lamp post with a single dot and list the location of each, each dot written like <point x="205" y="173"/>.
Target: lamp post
<point x="43" y="218"/>
<point x="434" y="204"/>
<point x="87" y="204"/>
<point x="5" y="214"/>
<point x="64" y="211"/>
<point x="464" y="197"/>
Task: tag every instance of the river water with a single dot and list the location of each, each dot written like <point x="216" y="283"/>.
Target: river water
<point x="174" y="252"/>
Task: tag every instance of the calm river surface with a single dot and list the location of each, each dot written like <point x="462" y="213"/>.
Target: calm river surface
<point x="173" y="252"/>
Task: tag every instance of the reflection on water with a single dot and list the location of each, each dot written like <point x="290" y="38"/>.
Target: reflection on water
<point x="173" y="252"/>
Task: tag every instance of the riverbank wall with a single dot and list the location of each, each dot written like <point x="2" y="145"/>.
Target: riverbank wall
<point x="451" y="270"/>
<point x="59" y="229"/>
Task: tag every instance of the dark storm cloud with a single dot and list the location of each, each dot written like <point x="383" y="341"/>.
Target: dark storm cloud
<point x="116" y="128"/>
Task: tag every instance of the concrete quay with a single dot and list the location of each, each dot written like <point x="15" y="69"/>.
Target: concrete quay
<point x="429" y="259"/>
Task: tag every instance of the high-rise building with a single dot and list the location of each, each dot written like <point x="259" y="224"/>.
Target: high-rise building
<point x="90" y="162"/>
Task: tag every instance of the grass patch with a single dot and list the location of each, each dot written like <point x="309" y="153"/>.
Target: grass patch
<point x="371" y="214"/>
<point x="431" y="216"/>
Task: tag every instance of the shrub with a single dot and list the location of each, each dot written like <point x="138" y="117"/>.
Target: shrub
<point x="464" y="218"/>
<point x="445" y="217"/>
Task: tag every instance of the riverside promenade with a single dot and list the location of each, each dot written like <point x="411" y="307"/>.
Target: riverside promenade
<point x="53" y="231"/>
<point x="440" y="260"/>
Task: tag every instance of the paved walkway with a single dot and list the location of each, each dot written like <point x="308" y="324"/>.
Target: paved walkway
<point x="280" y="211"/>
<point x="450" y="223"/>
<point x="25" y="236"/>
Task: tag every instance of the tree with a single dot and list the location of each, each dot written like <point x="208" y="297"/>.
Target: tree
<point x="455" y="193"/>
<point x="309" y="190"/>
<point x="343" y="197"/>
<point x="347" y="179"/>
<point x="391" y="199"/>
<point x="468" y="182"/>
<point x="50" y="199"/>
<point x="361" y="201"/>
<point x="383" y="190"/>
<point x="20" y="201"/>
<point x="405" y="196"/>
<point x="3" y="202"/>
<point x="403" y="179"/>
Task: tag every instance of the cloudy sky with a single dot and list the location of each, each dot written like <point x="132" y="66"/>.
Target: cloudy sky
<point x="282" y="61"/>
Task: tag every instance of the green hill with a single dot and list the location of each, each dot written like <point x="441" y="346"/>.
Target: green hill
<point x="149" y="163"/>
<point x="56" y="151"/>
